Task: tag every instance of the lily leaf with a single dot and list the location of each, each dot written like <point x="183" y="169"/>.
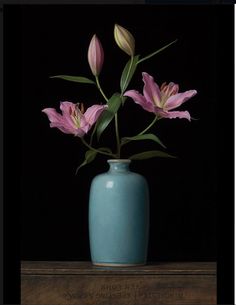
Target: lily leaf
<point x="77" y="79"/>
<point x="90" y="155"/>
<point x="105" y="149"/>
<point x="124" y="98"/>
<point x="128" y="73"/>
<point x="104" y="120"/>
<point x="156" y="52"/>
<point x="148" y="136"/>
<point x="151" y="154"/>
<point x="114" y="103"/>
<point x="108" y="115"/>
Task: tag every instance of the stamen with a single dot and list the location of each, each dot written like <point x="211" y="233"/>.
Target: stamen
<point x="82" y="108"/>
<point x="163" y="85"/>
<point x="77" y="107"/>
<point x="173" y="90"/>
<point x="75" y="115"/>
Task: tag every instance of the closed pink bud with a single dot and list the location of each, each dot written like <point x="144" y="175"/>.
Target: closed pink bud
<point x="95" y="55"/>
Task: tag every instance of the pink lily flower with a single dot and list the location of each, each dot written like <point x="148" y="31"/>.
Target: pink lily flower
<point x="161" y="100"/>
<point x="95" y="55"/>
<point x="73" y="119"/>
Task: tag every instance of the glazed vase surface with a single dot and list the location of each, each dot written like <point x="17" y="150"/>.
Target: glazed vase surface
<point x="119" y="216"/>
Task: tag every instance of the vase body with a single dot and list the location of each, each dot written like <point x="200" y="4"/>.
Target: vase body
<point x="119" y="217"/>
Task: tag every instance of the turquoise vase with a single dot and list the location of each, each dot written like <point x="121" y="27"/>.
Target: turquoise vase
<point x="119" y="217"/>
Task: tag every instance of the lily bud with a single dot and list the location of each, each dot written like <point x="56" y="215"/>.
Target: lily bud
<point x="124" y="40"/>
<point x="95" y="55"/>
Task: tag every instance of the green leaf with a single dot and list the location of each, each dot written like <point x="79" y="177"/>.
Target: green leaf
<point x="90" y="155"/>
<point x="103" y="121"/>
<point x="151" y="154"/>
<point x="77" y="79"/>
<point x="114" y="103"/>
<point x="128" y="73"/>
<point x="148" y="136"/>
<point x="156" y="52"/>
<point x="108" y="115"/>
<point x="124" y="98"/>
<point x="105" y="149"/>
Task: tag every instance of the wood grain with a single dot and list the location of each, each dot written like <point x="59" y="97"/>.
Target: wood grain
<point x="75" y="283"/>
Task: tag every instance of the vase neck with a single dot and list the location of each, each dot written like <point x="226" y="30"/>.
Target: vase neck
<point x="119" y="165"/>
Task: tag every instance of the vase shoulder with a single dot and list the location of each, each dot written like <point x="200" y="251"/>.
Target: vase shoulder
<point x="121" y="178"/>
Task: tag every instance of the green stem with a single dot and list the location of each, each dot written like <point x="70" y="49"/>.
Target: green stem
<point x="127" y="75"/>
<point x="116" y="115"/>
<point x="93" y="133"/>
<point x="117" y="136"/>
<point x="116" y="126"/>
<point x="156" y="52"/>
<point x="100" y="89"/>
<point x="142" y="132"/>
<point x="149" y="126"/>
<point x="97" y="150"/>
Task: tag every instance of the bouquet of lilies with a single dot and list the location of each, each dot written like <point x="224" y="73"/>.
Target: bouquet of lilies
<point x="159" y="101"/>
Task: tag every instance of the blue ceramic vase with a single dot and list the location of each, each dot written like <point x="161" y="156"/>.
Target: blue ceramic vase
<point x="119" y="217"/>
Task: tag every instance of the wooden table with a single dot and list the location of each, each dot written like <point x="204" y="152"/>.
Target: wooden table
<point x="80" y="283"/>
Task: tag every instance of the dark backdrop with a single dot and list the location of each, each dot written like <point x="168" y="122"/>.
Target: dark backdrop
<point x="40" y="178"/>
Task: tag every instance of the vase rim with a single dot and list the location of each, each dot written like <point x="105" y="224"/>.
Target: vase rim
<point x="119" y="160"/>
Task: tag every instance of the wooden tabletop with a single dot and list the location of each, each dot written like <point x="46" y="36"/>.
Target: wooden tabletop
<point x="86" y="268"/>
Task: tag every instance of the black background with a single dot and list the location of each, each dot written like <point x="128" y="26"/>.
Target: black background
<point x="40" y="163"/>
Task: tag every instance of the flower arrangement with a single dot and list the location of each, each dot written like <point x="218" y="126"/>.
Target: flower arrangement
<point x="160" y="101"/>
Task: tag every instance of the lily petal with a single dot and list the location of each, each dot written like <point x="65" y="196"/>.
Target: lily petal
<point x="53" y="115"/>
<point x="174" y="114"/>
<point x="140" y="99"/>
<point x="67" y="130"/>
<point x="57" y="120"/>
<point x="67" y="108"/>
<point x="92" y="113"/>
<point x="178" y="99"/>
<point x="84" y="126"/>
<point x="151" y="90"/>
